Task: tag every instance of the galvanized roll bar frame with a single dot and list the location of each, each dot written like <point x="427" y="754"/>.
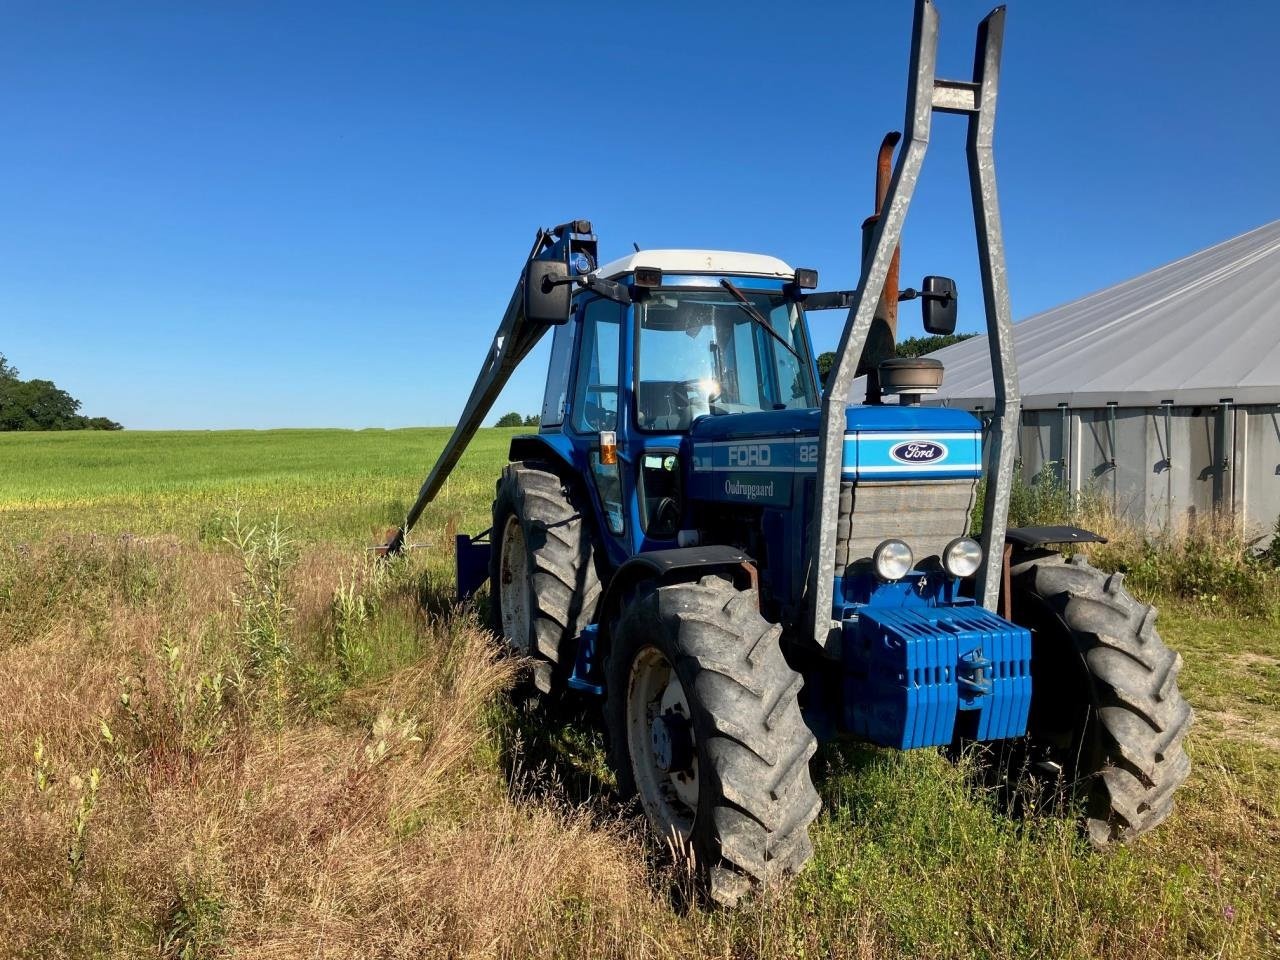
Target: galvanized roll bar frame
<point x="975" y="99"/>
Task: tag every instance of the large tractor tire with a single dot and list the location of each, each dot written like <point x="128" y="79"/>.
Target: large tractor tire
<point x="705" y="728"/>
<point x="543" y="583"/>
<point x="1107" y="718"/>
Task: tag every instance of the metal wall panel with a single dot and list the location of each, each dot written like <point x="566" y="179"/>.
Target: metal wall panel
<point x="1155" y="512"/>
<point x="1193" y="489"/>
<point x="1039" y="443"/>
<point x="1165" y="477"/>
<point x="1134" y="467"/>
<point x="1258" y="469"/>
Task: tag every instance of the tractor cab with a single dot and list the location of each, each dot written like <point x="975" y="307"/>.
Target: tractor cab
<point x="701" y="343"/>
<point x="681" y="336"/>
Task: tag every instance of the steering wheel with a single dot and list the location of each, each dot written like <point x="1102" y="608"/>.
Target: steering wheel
<point x="697" y="387"/>
<point x="666" y="517"/>
<point x="680" y="402"/>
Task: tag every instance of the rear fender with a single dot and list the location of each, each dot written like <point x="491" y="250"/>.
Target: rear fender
<point x="554" y="448"/>
<point x="1033" y="537"/>
<point x="1028" y="544"/>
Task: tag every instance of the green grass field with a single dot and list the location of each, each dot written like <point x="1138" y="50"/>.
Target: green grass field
<point x="227" y="738"/>
<point x="332" y="485"/>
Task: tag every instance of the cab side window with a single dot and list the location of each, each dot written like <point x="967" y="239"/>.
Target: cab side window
<point x="556" y="399"/>
<point x="595" y="399"/>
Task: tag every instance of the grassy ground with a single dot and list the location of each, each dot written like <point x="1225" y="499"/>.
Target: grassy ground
<point x="335" y="486"/>
<point x="226" y="739"/>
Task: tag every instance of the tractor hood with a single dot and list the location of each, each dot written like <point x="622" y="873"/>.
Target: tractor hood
<point x="754" y="457"/>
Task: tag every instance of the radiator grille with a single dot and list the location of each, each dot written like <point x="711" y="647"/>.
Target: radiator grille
<point x="926" y="514"/>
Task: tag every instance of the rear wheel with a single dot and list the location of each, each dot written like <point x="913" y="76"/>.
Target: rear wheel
<point x="706" y="731"/>
<point x="1107" y="719"/>
<point x="543" y="587"/>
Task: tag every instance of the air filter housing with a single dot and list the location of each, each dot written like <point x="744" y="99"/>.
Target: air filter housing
<point x="916" y="376"/>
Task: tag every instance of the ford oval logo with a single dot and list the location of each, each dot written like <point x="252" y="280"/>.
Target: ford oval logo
<point x="919" y="451"/>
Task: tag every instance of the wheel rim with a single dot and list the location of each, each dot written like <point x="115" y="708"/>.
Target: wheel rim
<point x="661" y="745"/>
<point x="513" y="585"/>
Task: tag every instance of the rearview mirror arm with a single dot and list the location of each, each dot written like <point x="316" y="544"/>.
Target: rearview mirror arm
<point x="912" y="294"/>
<point x="841" y="299"/>
<point x="828" y="300"/>
<point x="608" y="289"/>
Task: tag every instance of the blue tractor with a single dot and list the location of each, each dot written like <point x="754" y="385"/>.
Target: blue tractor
<point x="739" y="563"/>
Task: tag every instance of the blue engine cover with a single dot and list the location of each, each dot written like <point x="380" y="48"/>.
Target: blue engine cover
<point x="909" y="671"/>
<point x="759" y="457"/>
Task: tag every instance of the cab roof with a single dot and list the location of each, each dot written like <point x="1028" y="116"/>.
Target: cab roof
<point x="723" y="262"/>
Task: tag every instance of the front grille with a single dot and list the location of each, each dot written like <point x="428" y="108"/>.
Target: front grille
<point x="927" y="514"/>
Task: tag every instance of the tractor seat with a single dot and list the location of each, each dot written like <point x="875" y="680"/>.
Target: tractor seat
<point x="659" y="406"/>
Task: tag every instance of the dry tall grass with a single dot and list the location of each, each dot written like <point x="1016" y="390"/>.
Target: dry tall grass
<point x="1210" y="562"/>
<point x="256" y="808"/>
<point x="261" y="750"/>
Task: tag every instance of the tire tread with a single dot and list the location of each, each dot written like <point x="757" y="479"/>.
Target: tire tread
<point x="1141" y="714"/>
<point x="566" y="586"/>
<point x="753" y="827"/>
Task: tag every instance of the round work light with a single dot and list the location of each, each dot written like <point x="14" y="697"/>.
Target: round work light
<point x="962" y="557"/>
<point x="892" y="560"/>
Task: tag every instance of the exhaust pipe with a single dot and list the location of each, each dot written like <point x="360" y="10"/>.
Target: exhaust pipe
<point x="883" y="334"/>
<point x="889" y="295"/>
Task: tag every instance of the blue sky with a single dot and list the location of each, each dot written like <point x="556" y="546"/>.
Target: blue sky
<point x="235" y="214"/>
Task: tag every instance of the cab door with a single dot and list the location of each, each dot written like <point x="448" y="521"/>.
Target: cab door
<point x="595" y="408"/>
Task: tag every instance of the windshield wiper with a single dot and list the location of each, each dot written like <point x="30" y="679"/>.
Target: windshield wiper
<point x="749" y="309"/>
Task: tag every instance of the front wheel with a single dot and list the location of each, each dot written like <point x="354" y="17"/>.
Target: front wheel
<point x="1107" y="718"/>
<point x="705" y="729"/>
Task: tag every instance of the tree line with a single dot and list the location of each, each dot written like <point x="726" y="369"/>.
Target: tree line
<point x="41" y="405"/>
<point x="514" y="419"/>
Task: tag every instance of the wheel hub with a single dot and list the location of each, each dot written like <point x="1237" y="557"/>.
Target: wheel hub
<point x="672" y="739"/>
<point x="513" y="587"/>
<point x="660" y="740"/>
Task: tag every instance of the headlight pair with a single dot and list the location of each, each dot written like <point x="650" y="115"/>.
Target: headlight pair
<point x="893" y="559"/>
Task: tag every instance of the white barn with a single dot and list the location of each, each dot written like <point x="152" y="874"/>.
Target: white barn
<point x="1161" y="392"/>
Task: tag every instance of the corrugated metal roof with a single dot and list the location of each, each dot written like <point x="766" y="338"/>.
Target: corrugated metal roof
<point x="1194" y="331"/>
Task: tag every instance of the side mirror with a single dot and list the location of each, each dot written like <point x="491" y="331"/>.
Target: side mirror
<point x="938" y="305"/>
<point x="547" y="292"/>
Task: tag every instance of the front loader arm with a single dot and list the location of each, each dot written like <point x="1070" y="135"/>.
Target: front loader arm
<point x="516" y="336"/>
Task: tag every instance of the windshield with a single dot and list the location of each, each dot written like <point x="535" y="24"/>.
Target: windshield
<point x="701" y="352"/>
